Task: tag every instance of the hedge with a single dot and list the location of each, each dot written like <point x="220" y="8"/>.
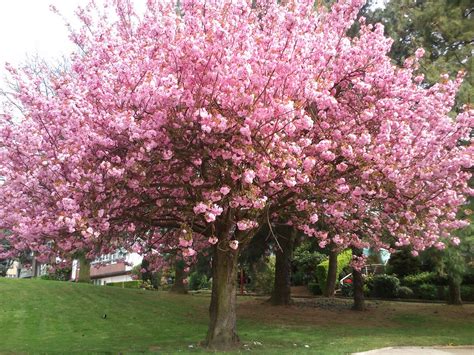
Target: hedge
<point x="343" y="260"/>
<point x="126" y="284"/>
<point x="414" y="281"/>
<point x="385" y="286"/>
<point x="467" y="293"/>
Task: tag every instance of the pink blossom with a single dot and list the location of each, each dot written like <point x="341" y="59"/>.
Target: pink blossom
<point x="167" y="155"/>
<point x="200" y="208"/>
<point x="341" y="167"/>
<point x="224" y="190"/>
<point x="234" y="244"/>
<point x="419" y="53"/>
<point x="343" y="189"/>
<point x="185" y="243"/>
<point x="249" y="175"/>
<point x="246" y="224"/>
<point x="189" y="252"/>
<point x="328" y="155"/>
<point x="309" y="163"/>
<point x="209" y="217"/>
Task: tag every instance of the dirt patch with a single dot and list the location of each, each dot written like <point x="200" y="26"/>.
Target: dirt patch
<point x="324" y="311"/>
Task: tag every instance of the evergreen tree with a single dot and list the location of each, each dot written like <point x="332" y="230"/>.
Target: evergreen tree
<point x="444" y="28"/>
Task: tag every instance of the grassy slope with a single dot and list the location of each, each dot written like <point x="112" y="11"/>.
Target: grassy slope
<point x="49" y="316"/>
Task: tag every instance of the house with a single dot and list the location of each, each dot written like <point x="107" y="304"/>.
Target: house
<point x="116" y="267"/>
<point x="27" y="270"/>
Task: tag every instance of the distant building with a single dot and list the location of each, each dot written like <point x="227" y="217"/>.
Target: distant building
<point x="116" y="267"/>
<point x="27" y="270"/>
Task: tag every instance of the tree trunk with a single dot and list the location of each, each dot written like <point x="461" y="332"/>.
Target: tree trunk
<point x="179" y="275"/>
<point x="281" y="294"/>
<point x="332" y="274"/>
<point x="84" y="270"/>
<point x="34" y="267"/>
<point x="222" y="332"/>
<point x="358" y="285"/>
<point x="454" y="292"/>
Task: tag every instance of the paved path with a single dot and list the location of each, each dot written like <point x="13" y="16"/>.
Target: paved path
<point x="421" y="350"/>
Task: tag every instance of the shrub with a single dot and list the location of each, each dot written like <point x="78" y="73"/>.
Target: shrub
<point x="265" y="276"/>
<point x="403" y="263"/>
<point x="59" y="274"/>
<point x="126" y="284"/>
<point x="314" y="288"/>
<point x="385" y="286"/>
<point x="468" y="277"/>
<point x="346" y="289"/>
<point x="343" y="260"/>
<point x="299" y="277"/>
<point x="305" y="261"/>
<point x="467" y="293"/>
<point x="416" y="280"/>
<point x="427" y="292"/>
<point x="198" y="281"/>
<point x="369" y="284"/>
<point x="405" y="292"/>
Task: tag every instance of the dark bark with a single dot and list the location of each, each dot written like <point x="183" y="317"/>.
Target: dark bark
<point x="34" y="267"/>
<point x="358" y="285"/>
<point x="84" y="270"/>
<point x="454" y="292"/>
<point x="222" y="332"/>
<point x="332" y="274"/>
<point x="179" y="275"/>
<point x="281" y="294"/>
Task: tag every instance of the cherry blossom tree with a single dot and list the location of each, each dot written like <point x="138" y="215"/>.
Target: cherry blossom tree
<point x="216" y="117"/>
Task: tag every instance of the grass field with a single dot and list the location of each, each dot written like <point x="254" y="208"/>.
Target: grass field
<point x="63" y="317"/>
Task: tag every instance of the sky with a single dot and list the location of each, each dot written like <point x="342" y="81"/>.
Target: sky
<point x="29" y="27"/>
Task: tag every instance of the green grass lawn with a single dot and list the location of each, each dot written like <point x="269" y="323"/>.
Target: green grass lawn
<point x="51" y="316"/>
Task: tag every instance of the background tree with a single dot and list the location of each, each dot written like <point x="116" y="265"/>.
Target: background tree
<point x="444" y="28"/>
<point x="285" y="240"/>
<point x="5" y="264"/>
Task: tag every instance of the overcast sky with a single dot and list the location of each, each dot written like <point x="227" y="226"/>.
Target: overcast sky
<point x="28" y="26"/>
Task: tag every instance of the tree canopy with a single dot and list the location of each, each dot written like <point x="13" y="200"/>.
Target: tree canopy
<point x="203" y="124"/>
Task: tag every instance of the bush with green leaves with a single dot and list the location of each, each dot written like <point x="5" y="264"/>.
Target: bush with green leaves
<point x="468" y="277"/>
<point x="126" y="284"/>
<point x="142" y="272"/>
<point x="415" y="280"/>
<point x="347" y="290"/>
<point x="198" y="281"/>
<point x="403" y="263"/>
<point x="385" y="286"/>
<point x="343" y="260"/>
<point x="427" y="292"/>
<point x="305" y="261"/>
<point x="265" y="276"/>
<point x="467" y="293"/>
<point x="58" y="274"/>
<point x="405" y="292"/>
<point x="314" y="288"/>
